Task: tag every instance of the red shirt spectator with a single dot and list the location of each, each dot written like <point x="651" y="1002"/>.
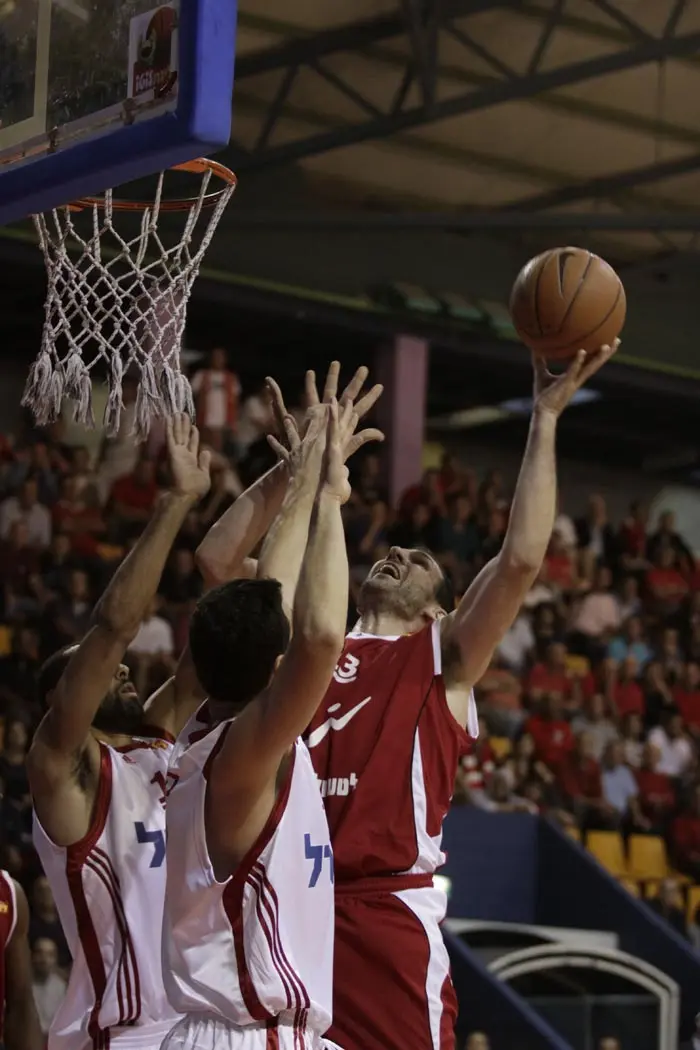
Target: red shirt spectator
<point x="665" y="583"/>
<point x="551" y="734"/>
<point x="657" y="796"/>
<point x="134" y="495"/>
<point x="685" y="836"/>
<point x="624" y="690"/>
<point x="579" y="777"/>
<point x="478" y="765"/>
<point x="687" y="696"/>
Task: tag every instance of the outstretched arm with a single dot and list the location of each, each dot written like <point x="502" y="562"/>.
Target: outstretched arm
<point x="470" y="634"/>
<point x="22" y="1028"/>
<point x="63" y="750"/>
<point x="245" y="772"/>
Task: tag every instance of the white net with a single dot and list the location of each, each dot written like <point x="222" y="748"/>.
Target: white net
<point x="118" y="303"/>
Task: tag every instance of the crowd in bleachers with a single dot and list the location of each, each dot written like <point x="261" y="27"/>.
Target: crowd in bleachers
<point x="590" y="711"/>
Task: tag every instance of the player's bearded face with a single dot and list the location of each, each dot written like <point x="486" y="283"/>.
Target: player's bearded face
<point x="121" y="711"/>
<point x="403" y="583"/>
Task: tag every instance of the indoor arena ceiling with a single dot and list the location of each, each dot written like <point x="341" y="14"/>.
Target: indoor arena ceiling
<point x="497" y="112"/>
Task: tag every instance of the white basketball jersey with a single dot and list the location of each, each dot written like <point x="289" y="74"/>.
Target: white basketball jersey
<point x="257" y="948"/>
<point x="109" y="891"/>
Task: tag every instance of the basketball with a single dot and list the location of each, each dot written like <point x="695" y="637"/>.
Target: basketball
<point x="565" y="300"/>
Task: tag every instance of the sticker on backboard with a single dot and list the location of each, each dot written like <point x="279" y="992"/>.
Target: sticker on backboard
<point x="153" y="53"/>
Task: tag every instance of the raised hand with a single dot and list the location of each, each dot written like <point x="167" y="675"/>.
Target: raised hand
<point x="189" y="466"/>
<point x="334" y="480"/>
<point x="302" y="454"/>
<point x="554" y="392"/>
<point x="351" y="441"/>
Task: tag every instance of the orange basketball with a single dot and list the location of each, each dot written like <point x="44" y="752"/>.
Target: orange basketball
<point x="565" y="300"/>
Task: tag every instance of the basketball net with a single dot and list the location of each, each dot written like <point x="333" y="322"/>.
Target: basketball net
<point x="120" y="300"/>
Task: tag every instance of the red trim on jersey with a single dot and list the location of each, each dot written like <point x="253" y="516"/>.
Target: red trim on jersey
<point x="8" y="922"/>
<point x="232" y="897"/>
<point x="128" y="980"/>
<point x="157" y="732"/>
<point x="264" y="921"/>
<point x="76" y="854"/>
<point x="273" y="1036"/>
<point x="271" y="900"/>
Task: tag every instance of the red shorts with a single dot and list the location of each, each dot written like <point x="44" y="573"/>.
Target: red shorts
<point x="392" y="986"/>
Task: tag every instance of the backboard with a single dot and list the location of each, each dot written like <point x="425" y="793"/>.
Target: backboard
<point x="94" y="93"/>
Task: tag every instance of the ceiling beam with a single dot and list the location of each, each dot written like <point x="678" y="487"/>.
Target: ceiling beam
<point x="452" y="222"/>
<point x="389" y="56"/>
<point x="509" y="89"/>
<point x="607" y="186"/>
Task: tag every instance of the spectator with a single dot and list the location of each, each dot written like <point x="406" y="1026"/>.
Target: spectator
<point x="620" y="789"/>
<point x="217" y="393"/>
<point x="666" y="537"/>
<point x="633" y="538"/>
<point x="596" y="537"/>
<point x="599" y="729"/>
<point x="632" y="736"/>
<point x="500" y="696"/>
<point x="12" y="762"/>
<point x="44" y="923"/>
<point x="598" y="614"/>
<point x="622" y="688"/>
<point x="685" y="837"/>
<point x="152" y="651"/>
<point x="133" y="497"/>
<point x="687" y="696"/>
<point x="564" y="527"/>
<point x="669" y="905"/>
<point x="18" y="672"/>
<point x="19" y="561"/>
<point x="256" y="420"/>
<point x="551" y="733"/>
<point x="26" y="508"/>
<point x="630" y="601"/>
<point x="666" y="585"/>
<point x="68" y="616"/>
<point x="579" y="778"/>
<point x="630" y="642"/>
<point x="657" y="795"/>
<point x="48" y="986"/>
<point x="552" y="675"/>
<point x="477" y="767"/>
<point x="517" y="645"/>
<point x="459" y="535"/>
<point x="674" y="747"/>
<point x="499" y="797"/>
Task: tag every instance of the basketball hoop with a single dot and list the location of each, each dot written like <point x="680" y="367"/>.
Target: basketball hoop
<point x="121" y="298"/>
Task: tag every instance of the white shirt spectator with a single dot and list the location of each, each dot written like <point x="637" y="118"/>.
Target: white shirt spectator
<point x="255" y="421"/>
<point x="36" y="518"/>
<point x="517" y="643"/>
<point x="154" y="638"/>
<point x="217" y="399"/>
<point x="567" y="531"/>
<point x="598" y="612"/>
<point x="675" y="753"/>
<point x="48" y="987"/>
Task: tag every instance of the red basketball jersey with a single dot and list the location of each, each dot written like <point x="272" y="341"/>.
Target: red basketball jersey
<point x="385" y="748"/>
<point x="8" y="921"/>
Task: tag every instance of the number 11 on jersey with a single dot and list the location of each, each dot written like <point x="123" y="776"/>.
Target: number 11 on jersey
<point x="317" y="854"/>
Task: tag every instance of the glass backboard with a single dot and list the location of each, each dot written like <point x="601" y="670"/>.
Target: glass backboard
<point x="97" y="92"/>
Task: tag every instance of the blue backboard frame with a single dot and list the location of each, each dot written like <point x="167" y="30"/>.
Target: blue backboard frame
<point x="200" y="123"/>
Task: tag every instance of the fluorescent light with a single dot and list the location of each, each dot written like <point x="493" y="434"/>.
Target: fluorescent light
<point x="522" y="406"/>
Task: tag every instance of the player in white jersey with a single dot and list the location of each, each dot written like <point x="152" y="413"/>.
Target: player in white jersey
<point x="249" y="912"/>
<point x="99" y="782"/>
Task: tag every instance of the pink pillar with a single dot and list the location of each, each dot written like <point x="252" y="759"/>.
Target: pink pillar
<point x="403" y="368"/>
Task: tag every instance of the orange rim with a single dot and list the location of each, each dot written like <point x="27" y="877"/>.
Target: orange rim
<point x="196" y="167"/>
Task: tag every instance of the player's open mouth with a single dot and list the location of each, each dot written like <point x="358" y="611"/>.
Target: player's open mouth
<point x="389" y="569"/>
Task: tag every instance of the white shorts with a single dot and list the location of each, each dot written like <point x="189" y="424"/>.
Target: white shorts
<point x="139" y="1037"/>
<point x="202" y="1032"/>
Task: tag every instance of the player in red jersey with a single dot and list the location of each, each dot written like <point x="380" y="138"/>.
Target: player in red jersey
<point x="386" y="742"/>
<point x="19" y="1022"/>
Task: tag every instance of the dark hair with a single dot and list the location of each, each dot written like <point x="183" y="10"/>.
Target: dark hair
<point x="51" y="671"/>
<point x="237" y="632"/>
<point x="444" y="591"/>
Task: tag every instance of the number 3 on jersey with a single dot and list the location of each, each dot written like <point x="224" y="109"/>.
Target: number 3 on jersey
<point x="151" y="838"/>
<point x="317" y="855"/>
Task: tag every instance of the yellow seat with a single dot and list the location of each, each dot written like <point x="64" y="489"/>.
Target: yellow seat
<point x="647" y="857"/>
<point x="630" y="885"/>
<point x="692" y="903"/>
<point x="608" y="849"/>
<point x="501" y="746"/>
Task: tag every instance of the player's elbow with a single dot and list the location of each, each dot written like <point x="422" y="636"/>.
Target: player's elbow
<point x="321" y="638"/>
<point x="519" y="562"/>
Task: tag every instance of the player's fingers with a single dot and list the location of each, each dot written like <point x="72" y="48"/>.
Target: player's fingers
<point x="279" y="408"/>
<point x="333" y="422"/>
<point x="193" y="440"/>
<point x="597" y="360"/>
<point x="177" y="428"/>
<point x="169" y="437"/>
<point x="370" y="399"/>
<point x="575" y="369"/>
<point x="331" y="388"/>
<point x="311" y="388"/>
<point x="363" y="438"/>
<point x="348" y="417"/>
<point x="278" y="448"/>
<point x="290" y="430"/>
<point x="205" y="460"/>
<point x="355" y="385"/>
